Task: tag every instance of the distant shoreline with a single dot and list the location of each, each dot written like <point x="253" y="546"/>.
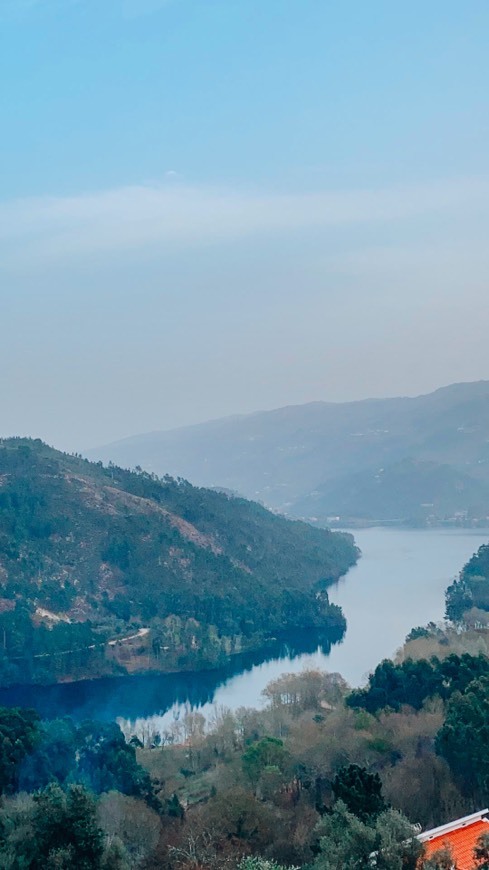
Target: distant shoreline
<point x="350" y="524"/>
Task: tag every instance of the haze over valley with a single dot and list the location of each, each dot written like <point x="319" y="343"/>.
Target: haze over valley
<point x="418" y="461"/>
<point x="244" y="435"/>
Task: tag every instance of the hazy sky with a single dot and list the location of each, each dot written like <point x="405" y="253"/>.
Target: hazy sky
<point x="217" y="206"/>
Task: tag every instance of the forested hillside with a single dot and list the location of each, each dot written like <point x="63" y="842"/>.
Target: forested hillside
<point x="412" y="492"/>
<point x="467" y="598"/>
<point x="103" y="570"/>
<point x="319" y="778"/>
<point x="350" y="459"/>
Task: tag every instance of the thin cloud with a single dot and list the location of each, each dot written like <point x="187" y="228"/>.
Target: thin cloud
<point x="56" y="229"/>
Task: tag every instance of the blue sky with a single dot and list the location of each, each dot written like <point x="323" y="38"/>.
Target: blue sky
<point x="292" y="92"/>
<point x="213" y="207"/>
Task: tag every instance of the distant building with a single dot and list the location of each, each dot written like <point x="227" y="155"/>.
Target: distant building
<point x="460" y="837"/>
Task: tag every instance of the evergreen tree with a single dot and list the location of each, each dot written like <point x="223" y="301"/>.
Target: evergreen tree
<point x="345" y="842"/>
<point x="464" y="737"/>
<point x="388" y="842"/>
<point x="18" y="736"/>
<point x="267" y="752"/>
<point x="360" y="790"/>
<point x="65" y="830"/>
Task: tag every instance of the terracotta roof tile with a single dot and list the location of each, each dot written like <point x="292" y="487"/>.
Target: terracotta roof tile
<point x="461" y="842"/>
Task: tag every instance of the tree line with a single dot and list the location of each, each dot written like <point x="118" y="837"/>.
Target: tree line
<point x="320" y="778"/>
<point x="106" y="551"/>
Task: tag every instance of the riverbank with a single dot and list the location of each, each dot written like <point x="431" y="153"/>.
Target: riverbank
<point x="399" y="583"/>
<point x="351" y="524"/>
<point x="143" y="665"/>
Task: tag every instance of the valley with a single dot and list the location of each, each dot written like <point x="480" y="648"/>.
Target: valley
<point x="407" y="570"/>
<point x="406" y="461"/>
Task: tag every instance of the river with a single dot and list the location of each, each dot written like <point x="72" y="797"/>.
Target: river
<point x="398" y="583"/>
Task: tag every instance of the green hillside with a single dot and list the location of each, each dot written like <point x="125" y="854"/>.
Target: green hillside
<point x="172" y="575"/>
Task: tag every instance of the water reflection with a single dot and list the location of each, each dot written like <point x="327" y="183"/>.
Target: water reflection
<point x="398" y="583"/>
<point x="134" y="698"/>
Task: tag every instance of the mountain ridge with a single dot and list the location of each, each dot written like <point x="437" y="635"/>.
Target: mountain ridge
<point x="282" y="456"/>
<point x="281" y="408"/>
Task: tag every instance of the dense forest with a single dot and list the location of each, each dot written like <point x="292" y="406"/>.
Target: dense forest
<point x="467" y="599"/>
<point x="320" y="778"/>
<point x="104" y="570"/>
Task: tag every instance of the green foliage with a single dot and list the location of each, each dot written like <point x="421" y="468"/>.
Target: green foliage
<point x="397" y="845"/>
<point x="347" y="843"/>
<point x="412" y="682"/>
<point x="116" y="857"/>
<point x="174" y="807"/>
<point x="35" y="754"/>
<point x="262" y="864"/>
<point x="105" y="762"/>
<point x="18" y="735"/>
<point x="420" y="631"/>
<point x="360" y="791"/>
<point x="266" y="753"/>
<point x="213" y="774"/>
<point x="478" y="564"/>
<point x="110" y="550"/>
<point x="471" y="589"/>
<point x="65" y="830"/>
<point x="54" y="757"/>
<point x="463" y="738"/>
<point x="458" y="599"/>
<point x="392" y="685"/>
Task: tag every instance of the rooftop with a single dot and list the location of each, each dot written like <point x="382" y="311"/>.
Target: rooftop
<point x="460" y="836"/>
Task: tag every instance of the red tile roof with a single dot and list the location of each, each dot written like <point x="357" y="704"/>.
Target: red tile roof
<point x="462" y="843"/>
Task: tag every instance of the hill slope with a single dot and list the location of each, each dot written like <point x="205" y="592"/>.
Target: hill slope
<point x="183" y="576"/>
<point x="410" y="491"/>
<point x="281" y="457"/>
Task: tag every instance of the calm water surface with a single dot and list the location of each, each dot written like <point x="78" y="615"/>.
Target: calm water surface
<point x="398" y="583"/>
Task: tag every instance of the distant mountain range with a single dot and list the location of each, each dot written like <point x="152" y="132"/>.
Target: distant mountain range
<point x="413" y="460"/>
